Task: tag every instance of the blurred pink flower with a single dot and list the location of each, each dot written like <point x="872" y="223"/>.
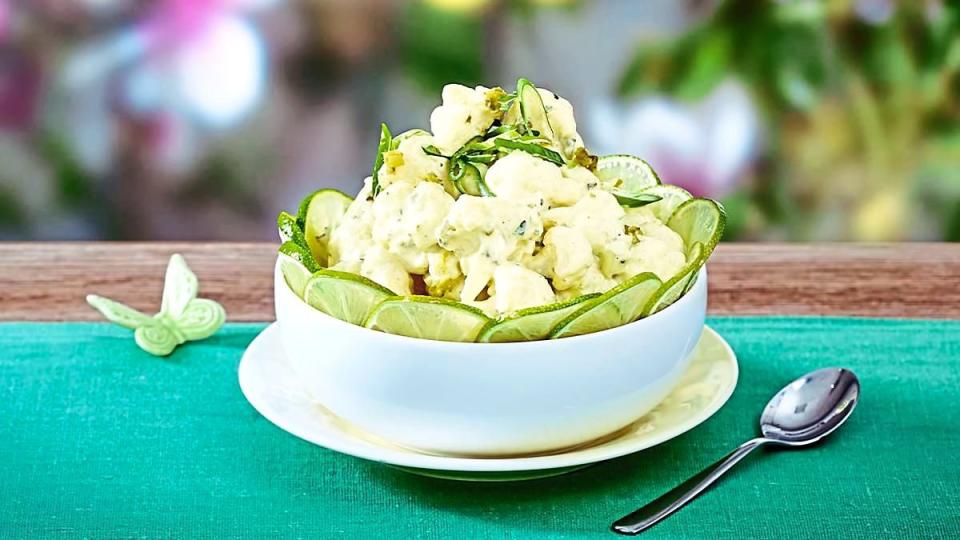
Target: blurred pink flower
<point x="21" y="82"/>
<point x="4" y="20"/>
<point x="187" y="65"/>
<point x="705" y="147"/>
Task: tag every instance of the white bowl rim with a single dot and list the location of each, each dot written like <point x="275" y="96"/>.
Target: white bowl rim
<point x="649" y="320"/>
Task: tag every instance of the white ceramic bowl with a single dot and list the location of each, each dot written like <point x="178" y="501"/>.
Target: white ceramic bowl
<point x="490" y="398"/>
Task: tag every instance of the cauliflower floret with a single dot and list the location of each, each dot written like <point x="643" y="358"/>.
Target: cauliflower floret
<point x="478" y="270"/>
<point x="597" y="215"/>
<point x="386" y="269"/>
<point x="410" y="164"/>
<point x="658" y="249"/>
<point x="408" y="220"/>
<point x="484" y="232"/>
<point x="499" y="228"/>
<point x="560" y="114"/>
<point x="565" y="257"/>
<point x="581" y="175"/>
<point x="353" y="235"/>
<point x="592" y="281"/>
<point x="515" y="288"/>
<point x="519" y="176"/>
<point x="464" y="114"/>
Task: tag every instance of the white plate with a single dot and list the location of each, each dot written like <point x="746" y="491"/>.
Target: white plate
<point x="276" y="392"/>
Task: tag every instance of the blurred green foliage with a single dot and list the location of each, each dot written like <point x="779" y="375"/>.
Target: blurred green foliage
<point x="863" y="117"/>
<point x="439" y="46"/>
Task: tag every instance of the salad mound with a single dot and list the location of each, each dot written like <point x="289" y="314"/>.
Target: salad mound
<point x="498" y="225"/>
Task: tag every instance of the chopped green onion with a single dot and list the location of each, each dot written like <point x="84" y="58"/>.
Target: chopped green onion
<point x="539" y="151"/>
<point x="634" y="201"/>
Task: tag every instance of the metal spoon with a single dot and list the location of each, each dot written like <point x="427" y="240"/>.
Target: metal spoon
<point x="804" y="412"/>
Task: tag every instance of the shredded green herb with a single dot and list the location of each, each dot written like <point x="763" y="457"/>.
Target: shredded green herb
<point x="533" y="149"/>
<point x="432" y="150"/>
<point x="634" y="201"/>
<point x="386" y="142"/>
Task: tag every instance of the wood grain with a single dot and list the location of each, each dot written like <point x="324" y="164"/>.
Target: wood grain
<point x="48" y="281"/>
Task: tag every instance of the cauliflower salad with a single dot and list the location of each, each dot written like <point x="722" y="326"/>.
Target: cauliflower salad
<point x="541" y="231"/>
<point x="497" y="225"/>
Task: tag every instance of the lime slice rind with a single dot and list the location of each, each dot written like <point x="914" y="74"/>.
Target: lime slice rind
<point x="620" y="305"/>
<point x="345" y="296"/>
<point x="626" y="175"/>
<point x="296" y="265"/>
<point x="318" y="214"/>
<point x="532" y="324"/>
<point x="699" y="220"/>
<point x="289" y="230"/>
<point x="427" y="317"/>
<point x="674" y="288"/>
<point x="671" y="197"/>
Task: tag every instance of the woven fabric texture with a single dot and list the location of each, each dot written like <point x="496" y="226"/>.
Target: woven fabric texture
<point x="100" y="440"/>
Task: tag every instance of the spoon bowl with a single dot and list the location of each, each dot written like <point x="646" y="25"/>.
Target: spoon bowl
<point x="811" y="407"/>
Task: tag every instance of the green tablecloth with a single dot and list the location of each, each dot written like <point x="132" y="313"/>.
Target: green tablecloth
<point x="101" y="440"/>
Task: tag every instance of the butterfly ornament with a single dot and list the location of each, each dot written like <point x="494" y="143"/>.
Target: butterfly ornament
<point x="183" y="317"/>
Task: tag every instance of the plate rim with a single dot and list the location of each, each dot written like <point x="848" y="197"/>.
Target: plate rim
<point x="341" y="442"/>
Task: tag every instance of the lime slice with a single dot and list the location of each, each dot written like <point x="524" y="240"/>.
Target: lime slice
<point x="625" y="175"/>
<point x="532" y="323"/>
<point x="699" y="220"/>
<point x="296" y="265"/>
<point x="427" y="317"/>
<point x="348" y="297"/>
<point x="670" y="198"/>
<point x="319" y="213"/>
<point x="290" y="230"/>
<point x="620" y="305"/>
<point x="676" y="286"/>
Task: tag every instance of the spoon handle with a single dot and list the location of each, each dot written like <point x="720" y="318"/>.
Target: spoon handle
<point x="671" y="501"/>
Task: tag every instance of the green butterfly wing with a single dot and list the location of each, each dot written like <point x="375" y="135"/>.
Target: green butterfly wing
<point x="200" y="319"/>
<point x="118" y="313"/>
<point x="179" y="287"/>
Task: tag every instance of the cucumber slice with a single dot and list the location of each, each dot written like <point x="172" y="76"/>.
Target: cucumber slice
<point x="348" y="297"/>
<point x="296" y="265"/>
<point x="533" y="111"/>
<point x="469" y="180"/>
<point x="290" y="230"/>
<point x="625" y="175"/>
<point x="620" y="305"/>
<point x="427" y="317"/>
<point x="699" y="220"/>
<point x="319" y="213"/>
<point x="670" y="198"/>
<point x="532" y="323"/>
<point x="676" y="286"/>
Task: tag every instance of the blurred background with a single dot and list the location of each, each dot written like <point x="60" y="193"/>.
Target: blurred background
<point x="201" y="119"/>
